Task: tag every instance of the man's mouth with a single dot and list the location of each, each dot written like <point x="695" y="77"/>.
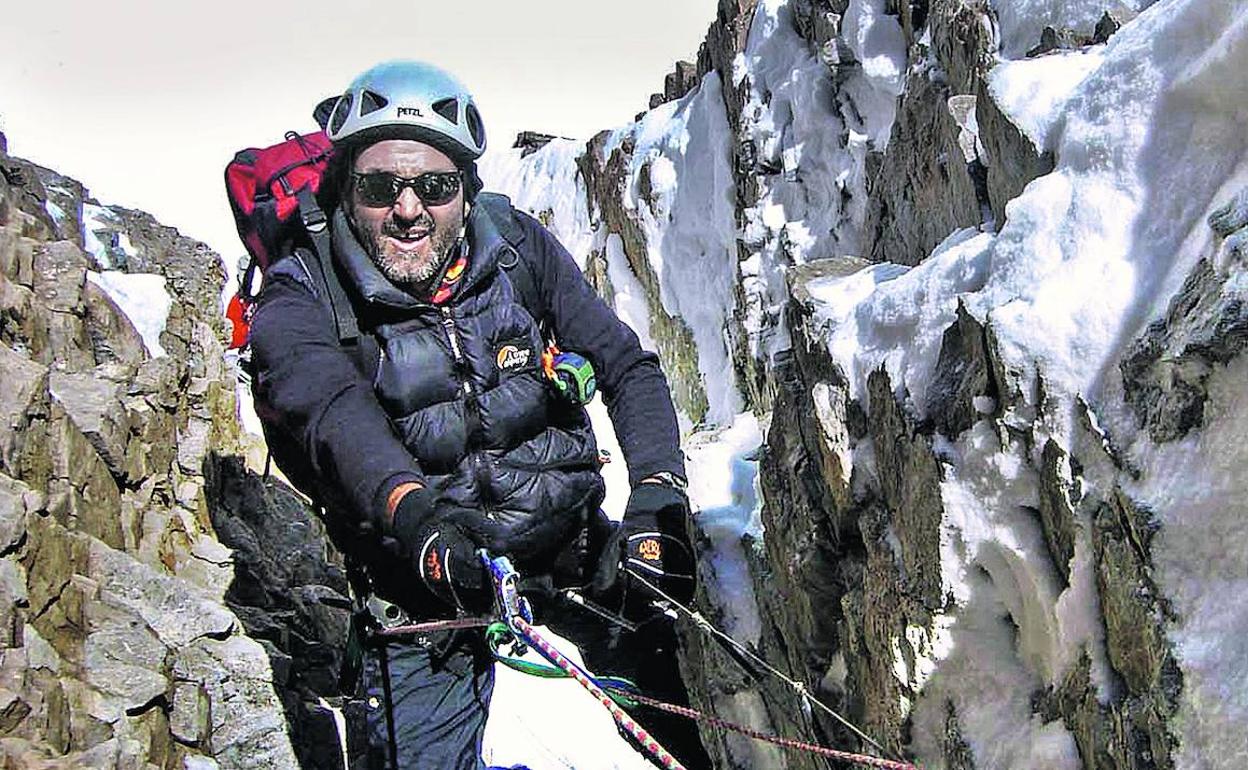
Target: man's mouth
<point x="410" y="239"/>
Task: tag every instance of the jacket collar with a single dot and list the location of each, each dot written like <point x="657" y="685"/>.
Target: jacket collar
<point x="486" y="245"/>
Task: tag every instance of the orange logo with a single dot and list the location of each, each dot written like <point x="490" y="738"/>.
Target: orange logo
<point x="650" y="550"/>
<point x="512" y="357"/>
<point x="433" y="565"/>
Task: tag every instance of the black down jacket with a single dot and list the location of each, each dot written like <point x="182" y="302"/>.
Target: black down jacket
<point x="453" y="395"/>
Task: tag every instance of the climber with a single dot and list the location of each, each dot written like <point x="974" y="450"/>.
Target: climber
<point x="436" y="430"/>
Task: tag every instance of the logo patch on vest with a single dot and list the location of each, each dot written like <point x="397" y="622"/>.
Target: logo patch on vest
<point x="514" y="356"/>
<point x="650" y="549"/>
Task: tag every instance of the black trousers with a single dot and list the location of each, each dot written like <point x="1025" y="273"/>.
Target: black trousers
<point x="439" y="691"/>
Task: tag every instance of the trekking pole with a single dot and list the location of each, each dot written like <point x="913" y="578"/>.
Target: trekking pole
<point x="518" y="615"/>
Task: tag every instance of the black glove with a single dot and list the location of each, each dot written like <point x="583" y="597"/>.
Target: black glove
<point x="651" y="541"/>
<point x="442" y="543"/>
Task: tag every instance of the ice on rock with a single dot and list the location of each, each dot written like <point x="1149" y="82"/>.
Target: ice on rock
<point x="144" y="299"/>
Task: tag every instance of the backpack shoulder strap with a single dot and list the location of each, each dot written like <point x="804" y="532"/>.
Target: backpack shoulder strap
<point x="324" y="275"/>
<point x="518" y="264"/>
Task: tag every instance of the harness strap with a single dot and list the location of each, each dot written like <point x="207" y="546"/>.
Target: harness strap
<point x="387" y="692"/>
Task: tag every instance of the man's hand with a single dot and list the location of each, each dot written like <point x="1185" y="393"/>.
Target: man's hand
<point x="652" y="541"/>
<point x="442" y="543"/>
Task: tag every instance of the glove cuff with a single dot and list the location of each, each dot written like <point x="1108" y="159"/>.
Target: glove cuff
<point x="413" y="512"/>
<point x="664" y="505"/>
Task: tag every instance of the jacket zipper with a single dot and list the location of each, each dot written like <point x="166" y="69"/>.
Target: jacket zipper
<point x="476" y="458"/>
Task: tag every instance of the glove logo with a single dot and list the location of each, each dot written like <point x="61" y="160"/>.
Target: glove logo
<point x="514" y="356"/>
<point x="650" y="549"/>
<point x="433" y="565"/>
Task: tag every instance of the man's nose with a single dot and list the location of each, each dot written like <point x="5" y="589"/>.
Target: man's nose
<point x="408" y="205"/>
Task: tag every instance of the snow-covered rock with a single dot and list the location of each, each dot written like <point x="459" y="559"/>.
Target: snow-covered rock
<point x="995" y="516"/>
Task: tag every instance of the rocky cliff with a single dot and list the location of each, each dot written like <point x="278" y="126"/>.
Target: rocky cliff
<point x="130" y="635"/>
<point x="950" y="294"/>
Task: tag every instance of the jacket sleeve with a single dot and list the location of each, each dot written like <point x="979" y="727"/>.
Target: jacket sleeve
<point x="633" y="386"/>
<point x="309" y="390"/>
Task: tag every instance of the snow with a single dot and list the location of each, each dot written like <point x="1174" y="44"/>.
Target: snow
<point x="143" y="298"/>
<point x="690" y="229"/>
<point x="1033" y="91"/>
<point x="99" y="219"/>
<point x="56" y="212"/>
<point x="890" y="314"/>
<point x="552" y="723"/>
<point x="1020" y="22"/>
<point x="629" y="298"/>
<point x="1147" y="133"/>
<point x="545" y="181"/>
<point x="94" y="219"/>
<point x="991" y="692"/>
<point x="1200" y="491"/>
<point x="816" y="137"/>
<point x="878" y="42"/>
<point x="723" y="490"/>
<point x="1148" y="139"/>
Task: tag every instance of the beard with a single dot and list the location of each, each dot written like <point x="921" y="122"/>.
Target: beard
<point x="411" y="270"/>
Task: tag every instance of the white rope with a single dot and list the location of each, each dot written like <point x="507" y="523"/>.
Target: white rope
<point x="798" y="687"/>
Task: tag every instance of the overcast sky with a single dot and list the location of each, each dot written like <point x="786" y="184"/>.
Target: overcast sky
<point x="145" y="102"/>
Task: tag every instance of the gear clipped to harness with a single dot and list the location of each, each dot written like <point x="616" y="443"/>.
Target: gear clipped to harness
<point x="571" y="374"/>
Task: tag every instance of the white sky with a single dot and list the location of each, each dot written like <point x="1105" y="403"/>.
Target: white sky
<point x="145" y="102"/>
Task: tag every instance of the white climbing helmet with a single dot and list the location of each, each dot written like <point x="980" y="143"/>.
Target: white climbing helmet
<point x="408" y="100"/>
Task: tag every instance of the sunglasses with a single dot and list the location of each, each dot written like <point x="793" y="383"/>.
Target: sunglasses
<point x="379" y="189"/>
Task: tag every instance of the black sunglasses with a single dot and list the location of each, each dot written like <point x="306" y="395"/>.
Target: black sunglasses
<point x="379" y="189"/>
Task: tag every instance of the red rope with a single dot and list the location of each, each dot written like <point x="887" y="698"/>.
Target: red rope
<point x="655" y="749"/>
<point x="434" y="625"/>
<point x="627" y="722"/>
<point x="788" y="743"/>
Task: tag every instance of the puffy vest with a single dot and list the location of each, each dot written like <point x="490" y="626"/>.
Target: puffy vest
<point x="464" y="387"/>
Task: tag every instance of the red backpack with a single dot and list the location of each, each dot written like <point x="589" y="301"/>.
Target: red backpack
<point x="272" y="193"/>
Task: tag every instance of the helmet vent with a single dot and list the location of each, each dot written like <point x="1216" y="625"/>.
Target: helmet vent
<point x="448" y="109"/>
<point x="371" y="101"/>
<point x="341" y="113"/>
<point x="474" y="125"/>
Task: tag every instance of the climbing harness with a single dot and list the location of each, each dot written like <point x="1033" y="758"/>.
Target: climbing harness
<point x="512" y="625"/>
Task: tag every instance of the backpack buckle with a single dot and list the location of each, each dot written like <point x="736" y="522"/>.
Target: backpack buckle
<point x="310" y="212"/>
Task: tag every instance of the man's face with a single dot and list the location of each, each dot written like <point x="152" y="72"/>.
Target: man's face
<point x="410" y="239"/>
